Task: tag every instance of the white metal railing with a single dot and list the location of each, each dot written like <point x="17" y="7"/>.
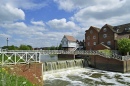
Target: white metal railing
<point x="83" y="52"/>
<point x="18" y="57"/>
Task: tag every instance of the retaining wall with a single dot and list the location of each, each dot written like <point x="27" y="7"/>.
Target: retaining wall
<point x="109" y="64"/>
<point x="32" y="72"/>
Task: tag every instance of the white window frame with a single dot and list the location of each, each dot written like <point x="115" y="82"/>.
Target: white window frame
<point x="88" y="37"/>
<point x="94" y="43"/>
<point x="108" y="42"/>
<point x="104" y="29"/>
<point x="94" y="37"/>
<point x="91" y="31"/>
<point x="104" y="35"/>
<point x="88" y="44"/>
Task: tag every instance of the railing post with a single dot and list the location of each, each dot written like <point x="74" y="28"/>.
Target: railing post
<point x="15" y="57"/>
<point x="39" y="57"/>
<point x="2" y="58"/>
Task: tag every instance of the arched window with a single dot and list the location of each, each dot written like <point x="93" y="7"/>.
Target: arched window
<point x="94" y="43"/>
<point x="88" y="37"/>
<point x="104" y="35"/>
<point x="94" y="37"/>
<point x="109" y="43"/>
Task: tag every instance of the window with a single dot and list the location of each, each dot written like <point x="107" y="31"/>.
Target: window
<point x="104" y="35"/>
<point x="88" y="37"/>
<point x="91" y="31"/>
<point x="105" y="29"/>
<point x="109" y="43"/>
<point x="94" y="43"/>
<point x="88" y="43"/>
<point x="94" y="37"/>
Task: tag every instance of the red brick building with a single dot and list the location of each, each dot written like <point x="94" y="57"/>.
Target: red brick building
<point x="106" y="37"/>
<point x="91" y="37"/>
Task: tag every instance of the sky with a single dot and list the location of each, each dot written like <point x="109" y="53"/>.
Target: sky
<point x="43" y="23"/>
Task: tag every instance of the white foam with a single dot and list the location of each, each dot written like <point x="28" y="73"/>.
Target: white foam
<point x="108" y="77"/>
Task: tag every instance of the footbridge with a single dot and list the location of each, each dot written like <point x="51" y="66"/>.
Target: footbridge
<point x="27" y="56"/>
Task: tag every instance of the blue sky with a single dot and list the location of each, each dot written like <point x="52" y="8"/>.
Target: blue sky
<point x="41" y="23"/>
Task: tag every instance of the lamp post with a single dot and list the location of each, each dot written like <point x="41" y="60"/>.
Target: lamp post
<point x="7" y="43"/>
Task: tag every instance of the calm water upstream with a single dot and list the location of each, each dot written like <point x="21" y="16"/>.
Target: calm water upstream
<point x="85" y="77"/>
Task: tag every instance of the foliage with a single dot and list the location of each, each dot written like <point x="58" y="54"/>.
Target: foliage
<point x="21" y="47"/>
<point x="25" y="47"/>
<point x="60" y="47"/>
<point x="7" y="79"/>
<point x="124" y="45"/>
<point x="106" y="52"/>
<point x="12" y="47"/>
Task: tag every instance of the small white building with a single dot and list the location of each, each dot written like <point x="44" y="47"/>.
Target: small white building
<point x="69" y="43"/>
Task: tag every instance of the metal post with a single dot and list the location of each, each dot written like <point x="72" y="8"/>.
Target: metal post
<point x="7" y="43"/>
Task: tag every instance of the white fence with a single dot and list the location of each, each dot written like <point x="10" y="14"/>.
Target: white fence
<point x="18" y="57"/>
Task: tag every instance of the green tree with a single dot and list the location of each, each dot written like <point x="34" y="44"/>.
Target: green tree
<point x="60" y="47"/>
<point x="124" y="45"/>
<point x="30" y="47"/>
<point x="12" y="47"/>
<point x="24" y="47"/>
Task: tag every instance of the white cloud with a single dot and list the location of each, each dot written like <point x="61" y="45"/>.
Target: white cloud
<point x="61" y="24"/>
<point x="38" y="23"/>
<point x="4" y="35"/>
<point x="9" y="13"/>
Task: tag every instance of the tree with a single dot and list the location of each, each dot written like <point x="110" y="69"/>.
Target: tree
<point x="12" y="47"/>
<point x="60" y="47"/>
<point x="24" y="47"/>
<point x="30" y="47"/>
<point x="124" y="45"/>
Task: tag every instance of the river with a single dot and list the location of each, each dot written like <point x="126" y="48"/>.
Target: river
<point x="77" y="76"/>
<point x="85" y="77"/>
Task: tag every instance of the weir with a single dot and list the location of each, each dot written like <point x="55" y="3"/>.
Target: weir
<point x="50" y="66"/>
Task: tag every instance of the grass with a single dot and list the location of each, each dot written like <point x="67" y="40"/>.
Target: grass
<point x="7" y="79"/>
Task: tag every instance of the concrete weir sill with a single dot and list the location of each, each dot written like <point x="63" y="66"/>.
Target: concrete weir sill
<point x="32" y="72"/>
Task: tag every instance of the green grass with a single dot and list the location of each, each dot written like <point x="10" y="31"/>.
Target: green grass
<point x="106" y="52"/>
<point x="7" y="79"/>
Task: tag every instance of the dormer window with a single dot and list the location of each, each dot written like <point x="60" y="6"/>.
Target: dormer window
<point x="104" y="35"/>
<point x="91" y="31"/>
<point x="105" y="29"/>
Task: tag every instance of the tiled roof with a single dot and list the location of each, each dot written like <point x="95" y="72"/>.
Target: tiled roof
<point x="70" y="38"/>
<point x="122" y="29"/>
<point x="97" y="29"/>
<point x="111" y="27"/>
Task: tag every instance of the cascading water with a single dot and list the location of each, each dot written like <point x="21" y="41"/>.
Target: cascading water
<point x="49" y="66"/>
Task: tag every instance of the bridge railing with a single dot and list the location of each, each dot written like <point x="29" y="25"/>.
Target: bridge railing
<point x="114" y="54"/>
<point x="18" y="57"/>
